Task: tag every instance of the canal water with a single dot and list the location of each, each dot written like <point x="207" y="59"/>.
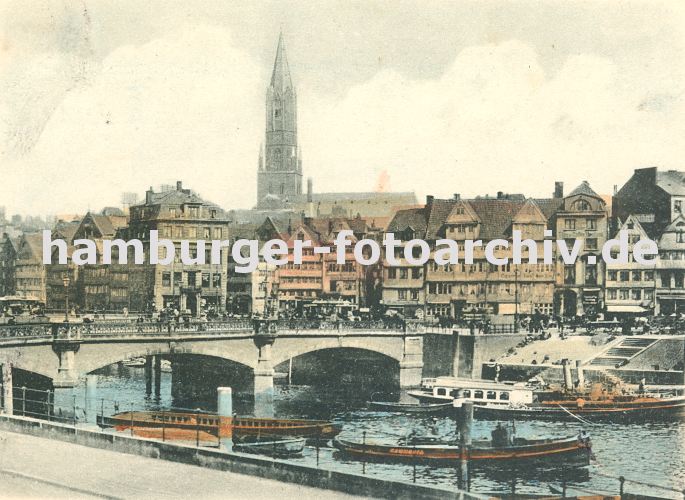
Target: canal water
<point x="646" y="452"/>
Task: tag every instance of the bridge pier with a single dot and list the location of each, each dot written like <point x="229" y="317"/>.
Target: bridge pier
<point x="67" y="375"/>
<point x="411" y="366"/>
<point x="148" y="375"/>
<point x="7" y="389"/>
<point x="157" y="372"/>
<point x="265" y="335"/>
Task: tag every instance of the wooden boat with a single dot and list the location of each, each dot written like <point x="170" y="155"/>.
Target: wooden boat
<point x="414" y="408"/>
<point x="281" y="448"/>
<point x="564" y="452"/>
<point x="188" y="424"/>
<point x="609" y="407"/>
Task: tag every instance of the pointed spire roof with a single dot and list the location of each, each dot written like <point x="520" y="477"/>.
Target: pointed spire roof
<point x="280" y="77"/>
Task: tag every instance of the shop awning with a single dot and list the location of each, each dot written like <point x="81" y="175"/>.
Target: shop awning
<point x="626" y="309"/>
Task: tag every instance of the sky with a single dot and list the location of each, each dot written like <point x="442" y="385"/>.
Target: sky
<point x="102" y="97"/>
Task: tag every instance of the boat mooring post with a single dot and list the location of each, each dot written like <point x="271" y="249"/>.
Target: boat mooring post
<point x="580" y="373"/>
<point x="465" y="425"/>
<point x="224" y="408"/>
<point x="91" y="398"/>
<point x="568" y="381"/>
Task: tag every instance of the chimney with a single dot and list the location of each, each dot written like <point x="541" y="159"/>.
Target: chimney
<point x="615" y="189"/>
<point x="148" y="196"/>
<point x="558" y="189"/>
<point x="179" y="186"/>
<point x="500" y="195"/>
<point x="429" y="200"/>
<point x="457" y="196"/>
<point x="310" y="190"/>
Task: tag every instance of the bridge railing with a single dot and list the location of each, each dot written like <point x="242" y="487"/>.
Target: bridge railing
<point x="108" y="329"/>
<point x="160" y="329"/>
<point x="11" y="332"/>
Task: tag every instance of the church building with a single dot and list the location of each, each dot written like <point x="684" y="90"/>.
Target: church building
<point x="279" y="173"/>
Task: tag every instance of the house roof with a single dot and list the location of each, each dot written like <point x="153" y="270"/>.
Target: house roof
<point x="496" y="216"/>
<point x="583" y="188"/>
<point x="671" y="181"/>
<point x="411" y="217"/>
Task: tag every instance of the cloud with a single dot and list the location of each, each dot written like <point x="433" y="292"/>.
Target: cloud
<point x="178" y="107"/>
<point x="493" y="121"/>
<point x="190" y="106"/>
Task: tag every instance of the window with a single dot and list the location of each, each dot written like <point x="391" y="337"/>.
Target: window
<point x="491" y="395"/>
<point x="206" y="234"/>
<point x="649" y="294"/>
<point x="623" y="294"/>
<point x="466" y="393"/>
<point x="205" y="280"/>
<point x="680" y="237"/>
<point x="478" y="394"/>
<point x="178" y="278"/>
<point x="649" y="275"/>
<point x="678" y="206"/>
<point x="624" y="276"/>
<point x="636" y="294"/>
<point x="636" y="275"/>
<point x="591" y="244"/>
<point x="569" y="223"/>
<point x="392" y="273"/>
<point x="581" y="205"/>
<point x="611" y="275"/>
<point x="414" y="295"/>
<point x="166" y="279"/>
<point x="504" y="396"/>
<point x="404" y="273"/>
<point x="416" y="272"/>
<point x="441" y="391"/>
<point x="591" y="224"/>
<point x="569" y="275"/>
<point x="611" y="294"/>
<point x="212" y="214"/>
<point x="402" y="294"/>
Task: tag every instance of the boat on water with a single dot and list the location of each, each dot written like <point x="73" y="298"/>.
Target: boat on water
<point x="269" y="445"/>
<point x="413" y="408"/>
<point x="609" y="407"/>
<point x="443" y="390"/>
<point x="561" y="452"/>
<point x="187" y="425"/>
<point x="134" y="362"/>
<point x="525" y="400"/>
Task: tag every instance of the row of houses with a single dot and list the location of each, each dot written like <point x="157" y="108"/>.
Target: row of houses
<point x="648" y="205"/>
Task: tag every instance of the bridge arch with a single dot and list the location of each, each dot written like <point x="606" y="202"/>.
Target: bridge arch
<point x="88" y="362"/>
<point x="286" y="348"/>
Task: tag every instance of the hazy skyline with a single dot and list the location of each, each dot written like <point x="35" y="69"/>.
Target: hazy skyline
<point x="98" y="98"/>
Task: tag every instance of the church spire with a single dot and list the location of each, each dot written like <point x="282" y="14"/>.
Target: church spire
<point x="280" y="77"/>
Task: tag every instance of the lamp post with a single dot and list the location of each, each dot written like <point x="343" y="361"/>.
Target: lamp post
<point x="65" y="281"/>
<point x="516" y="298"/>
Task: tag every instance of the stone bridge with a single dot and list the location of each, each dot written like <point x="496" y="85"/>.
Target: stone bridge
<point x="66" y="352"/>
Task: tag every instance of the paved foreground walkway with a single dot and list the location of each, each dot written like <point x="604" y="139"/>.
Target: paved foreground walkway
<point x="32" y="467"/>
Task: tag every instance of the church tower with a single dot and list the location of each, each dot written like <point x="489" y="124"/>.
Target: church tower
<point x="279" y="176"/>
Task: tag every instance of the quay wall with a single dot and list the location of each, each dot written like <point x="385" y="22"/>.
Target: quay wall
<point x="554" y="374"/>
<point x="279" y="470"/>
<point x="664" y="354"/>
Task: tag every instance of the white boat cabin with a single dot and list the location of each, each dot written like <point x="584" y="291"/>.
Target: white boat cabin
<point x="479" y="391"/>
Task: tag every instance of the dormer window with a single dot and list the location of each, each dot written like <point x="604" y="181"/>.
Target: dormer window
<point x="581" y="206"/>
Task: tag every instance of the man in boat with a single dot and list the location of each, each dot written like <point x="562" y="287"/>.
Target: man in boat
<point x="500" y="436"/>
